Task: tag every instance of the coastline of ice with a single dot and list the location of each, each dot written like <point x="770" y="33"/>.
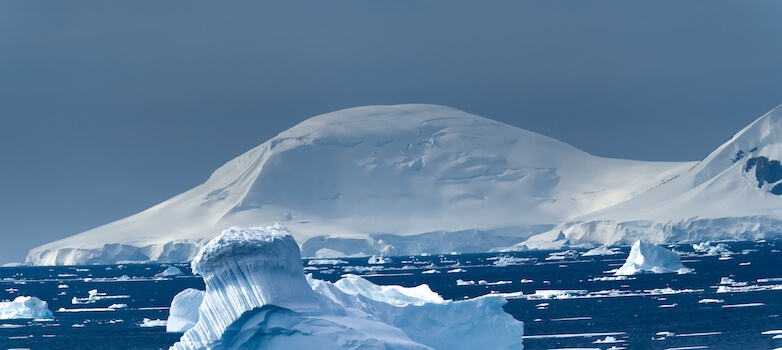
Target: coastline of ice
<point x="257" y="296"/>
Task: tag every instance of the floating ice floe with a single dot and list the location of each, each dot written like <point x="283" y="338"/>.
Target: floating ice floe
<point x="650" y="258"/>
<point x="24" y="307"/>
<point x="705" y="248"/>
<point x="379" y="260"/>
<point x="93" y="296"/>
<point x="711" y="301"/>
<point x="152" y="323"/>
<point x="258" y="297"/>
<point x="505" y="260"/>
<point x="608" y="340"/>
<point x="327" y="262"/>
<point x="171" y="271"/>
<point x="602" y="251"/>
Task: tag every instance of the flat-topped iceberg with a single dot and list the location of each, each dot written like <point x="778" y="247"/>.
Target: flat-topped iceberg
<point x="258" y="297"/>
<point x="650" y="258"/>
<point x="24" y="307"/>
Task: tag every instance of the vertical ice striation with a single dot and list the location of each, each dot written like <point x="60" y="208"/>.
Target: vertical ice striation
<point x="243" y="269"/>
<point x="257" y="297"/>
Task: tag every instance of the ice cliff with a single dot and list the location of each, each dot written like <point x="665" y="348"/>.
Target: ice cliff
<point x="258" y="297"/>
<point x="650" y="258"/>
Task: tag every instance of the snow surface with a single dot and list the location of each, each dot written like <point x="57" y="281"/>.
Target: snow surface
<point x="379" y="180"/>
<point x="258" y="297"/>
<point x="650" y="258"/>
<point x="24" y="307"/>
<point x="171" y="271"/>
<point x="731" y="194"/>
<point x="183" y="313"/>
<point x="602" y="251"/>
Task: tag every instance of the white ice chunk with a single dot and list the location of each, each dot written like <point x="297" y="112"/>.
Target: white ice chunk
<point x="257" y="297"/>
<point x="706" y="248"/>
<point x="379" y="260"/>
<point x="602" y="251"/>
<point x="650" y="258"/>
<point x="24" y="307"/>
<point x="152" y="323"/>
<point x="171" y="271"/>
<point x="183" y="313"/>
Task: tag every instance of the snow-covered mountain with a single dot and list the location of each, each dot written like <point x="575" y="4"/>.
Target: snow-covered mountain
<point x="734" y="193"/>
<point x="412" y="179"/>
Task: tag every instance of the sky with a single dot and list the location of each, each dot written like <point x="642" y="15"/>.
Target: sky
<point x="108" y="108"/>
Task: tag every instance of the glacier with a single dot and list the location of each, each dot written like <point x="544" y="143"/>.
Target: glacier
<point x="379" y="180"/>
<point x="732" y="194"/>
<point x="24" y="307"/>
<point x="426" y="179"/>
<point x="650" y="258"/>
<point x="257" y="296"/>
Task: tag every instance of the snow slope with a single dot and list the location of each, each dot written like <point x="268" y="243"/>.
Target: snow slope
<point x="405" y="179"/>
<point x="257" y="297"/>
<point x="734" y="193"/>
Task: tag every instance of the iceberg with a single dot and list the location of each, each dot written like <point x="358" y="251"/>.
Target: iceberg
<point x="257" y="296"/>
<point x="183" y="313"/>
<point x="602" y="251"/>
<point x="171" y="271"/>
<point x="24" y="307"/>
<point x="650" y="258"/>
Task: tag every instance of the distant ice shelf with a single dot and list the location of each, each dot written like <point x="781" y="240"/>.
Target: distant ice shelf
<point x="258" y="297"/>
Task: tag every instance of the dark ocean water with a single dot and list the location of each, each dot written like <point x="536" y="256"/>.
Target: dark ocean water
<point x="666" y="311"/>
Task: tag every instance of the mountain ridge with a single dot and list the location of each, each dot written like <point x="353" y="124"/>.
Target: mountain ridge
<point x="403" y="179"/>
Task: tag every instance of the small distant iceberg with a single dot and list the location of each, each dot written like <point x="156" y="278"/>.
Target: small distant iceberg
<point x="171" y="271"/>
<point x="706" y="248"/>
<point x="650" y="258"/>
<point x="602" y="251"/>
<point x="257" y="297"/>
<point x="379" y="260"/>
<point x="24" y="307"/>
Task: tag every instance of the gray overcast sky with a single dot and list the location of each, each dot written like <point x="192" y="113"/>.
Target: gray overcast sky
<point x="108" y="108"/>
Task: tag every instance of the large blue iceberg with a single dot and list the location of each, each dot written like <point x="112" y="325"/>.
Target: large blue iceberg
<point x="257" y="297"/>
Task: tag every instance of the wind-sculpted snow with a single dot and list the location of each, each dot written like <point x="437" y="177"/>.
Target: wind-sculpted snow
<point x="24" y="307"/>
<point x="650" y="258"/>
<point x="183" y="313"/>
<point x="379" y="180"/>
<point x="257" y="297"/>
<point x="732" y="194"/>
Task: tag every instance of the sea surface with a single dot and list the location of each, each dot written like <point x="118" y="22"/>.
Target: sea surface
<point x="566" y="300"/>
